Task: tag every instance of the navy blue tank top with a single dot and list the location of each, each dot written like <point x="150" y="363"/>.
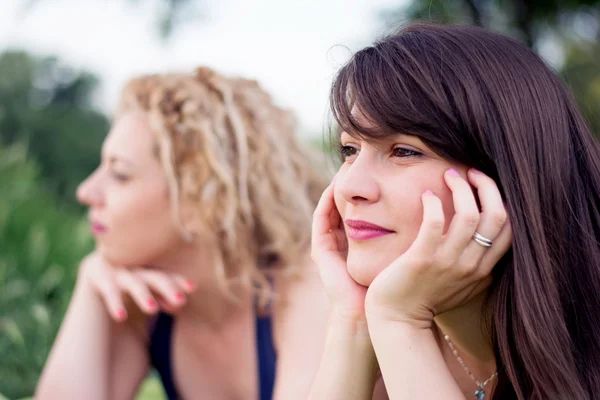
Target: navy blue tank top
<point x="160" y="355"/>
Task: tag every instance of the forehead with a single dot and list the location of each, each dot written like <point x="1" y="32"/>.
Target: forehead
<point x="130" y="135"/>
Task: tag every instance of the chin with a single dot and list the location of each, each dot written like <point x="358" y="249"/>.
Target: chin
<point x="121" y="257"/>
<point x="363" y="272"/>
<point x="111" y="256"/>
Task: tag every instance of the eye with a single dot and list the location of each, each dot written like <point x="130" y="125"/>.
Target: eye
<point x="347" y="152"/>
<point x="402" y="152"/>
<point x="119" y="176"/>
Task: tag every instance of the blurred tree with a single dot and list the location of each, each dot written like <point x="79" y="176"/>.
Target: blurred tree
<point x="47" y="106"/>
<point x="566" y="33"/>
<point x="524" y="19"/>
<point x="581" y="71"/>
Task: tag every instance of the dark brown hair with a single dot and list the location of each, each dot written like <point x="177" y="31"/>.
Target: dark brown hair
<point x="489" y="102"/>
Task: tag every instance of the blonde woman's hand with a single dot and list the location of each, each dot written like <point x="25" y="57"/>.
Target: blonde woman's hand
<point x="440" y="271"/>
<point x="329" y="252"/>
<point x="149" y="289"/>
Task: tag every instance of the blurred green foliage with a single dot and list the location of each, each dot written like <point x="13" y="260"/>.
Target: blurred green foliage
<point x="46" y="105"/>
<point x="50" y="140"/>
<point x="41" y="244"/>
<point x="571" y="29"/>
<point x="526" y="20"/>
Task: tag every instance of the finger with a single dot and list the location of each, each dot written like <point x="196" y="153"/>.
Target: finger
<point x="431" y="231"/>
<point x="322" y="237"/>
<point x="137" y="289"/>
<point x="342" y="241"/>
<point x="493" y="213"/>
<point x="502" y="243"/>
<point x="163" y="285"/>
<point x="112" y="298"/>
<point x="323" y="211"/>
<point x="166" y="306"/>
<point x="187" y="285"/>
<point x="335" y="219"/>
<point x="466" y="215"/>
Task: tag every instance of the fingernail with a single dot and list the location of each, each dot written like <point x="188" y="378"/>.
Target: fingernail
<point x="191" y="285"/>
<point x="121" y="314"/>
<point x="179" y="296"/>
<point x="453" y="172"/>
<point x="428" y="192"/>
<point x="475" y="171"/>
<point x="152" y="304"/>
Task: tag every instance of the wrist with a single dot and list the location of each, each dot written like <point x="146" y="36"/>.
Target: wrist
<point x="385" y="332"/>
<point x="350" y="326"/>
<point x="394" y="319"/>
<point x="350" y="320"/>
<point x="353" y="336"/>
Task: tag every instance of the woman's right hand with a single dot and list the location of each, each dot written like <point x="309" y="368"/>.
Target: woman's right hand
<point x="149" y="289"/>
<point x="329" y="252"/>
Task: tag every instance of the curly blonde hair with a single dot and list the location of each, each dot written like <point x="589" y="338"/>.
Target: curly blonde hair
<point x="232" y="154"/>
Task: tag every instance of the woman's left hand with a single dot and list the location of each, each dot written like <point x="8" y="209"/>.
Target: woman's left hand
<point x="440" y="271"/>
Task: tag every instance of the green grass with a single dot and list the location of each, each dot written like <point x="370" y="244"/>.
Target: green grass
<point x="151" y="389"/>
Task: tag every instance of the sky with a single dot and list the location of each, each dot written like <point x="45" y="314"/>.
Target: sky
<point x="292" y="47"/>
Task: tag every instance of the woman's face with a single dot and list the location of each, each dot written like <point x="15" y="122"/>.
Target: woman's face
<point x="381" y="183"/>
<point x="128" y="197"/>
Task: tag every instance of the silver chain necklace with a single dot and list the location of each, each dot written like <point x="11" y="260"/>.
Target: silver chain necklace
<point x="479" y="393"/>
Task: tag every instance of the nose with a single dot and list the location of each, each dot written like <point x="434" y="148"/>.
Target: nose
<point x="89" y="192"/>
<point x="359" y="184"/>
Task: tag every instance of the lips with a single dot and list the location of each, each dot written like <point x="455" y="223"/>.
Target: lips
<point x="363" y="230"/>
<point x="96" y="226"/>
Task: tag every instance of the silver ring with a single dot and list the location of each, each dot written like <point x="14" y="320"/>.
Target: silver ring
<point x="481" y="240"/>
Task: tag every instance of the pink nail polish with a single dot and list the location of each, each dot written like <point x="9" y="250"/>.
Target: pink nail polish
<point x="152" y="304"/>
<point x="428" y="192"/>
<point x="191" y="285"/>
<point x="476" y="171"/>
<point x="121" y="314"/>
<point x="453" y="172"/>
<point x="179" y="296"/>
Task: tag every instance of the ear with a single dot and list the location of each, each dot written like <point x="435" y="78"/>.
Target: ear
<point x="190" y="225"/>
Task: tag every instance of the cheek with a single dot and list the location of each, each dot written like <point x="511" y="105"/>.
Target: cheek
<point x="403" y="212"/>
<point x="410" y="206"/>
<point x="406" y="206"/>
<point x="142" y="227"/>
<point x="402" y="207"/>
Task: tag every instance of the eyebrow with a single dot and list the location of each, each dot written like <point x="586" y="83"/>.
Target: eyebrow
<point x="114" y="158"/>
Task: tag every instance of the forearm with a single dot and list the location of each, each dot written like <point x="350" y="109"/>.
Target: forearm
<point x="78" y="363"/>
<point x="411" y="362"/>
<point x="348" y="368"/>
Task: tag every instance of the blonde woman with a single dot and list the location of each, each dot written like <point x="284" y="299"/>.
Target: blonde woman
<point x="201" y="210"/>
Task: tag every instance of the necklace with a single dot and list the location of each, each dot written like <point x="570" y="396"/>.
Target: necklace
<point x="479" y="393"/>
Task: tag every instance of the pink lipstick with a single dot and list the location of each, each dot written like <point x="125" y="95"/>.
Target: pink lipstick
<point x="362" y="230"/>
<point x="97" y="228"/>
